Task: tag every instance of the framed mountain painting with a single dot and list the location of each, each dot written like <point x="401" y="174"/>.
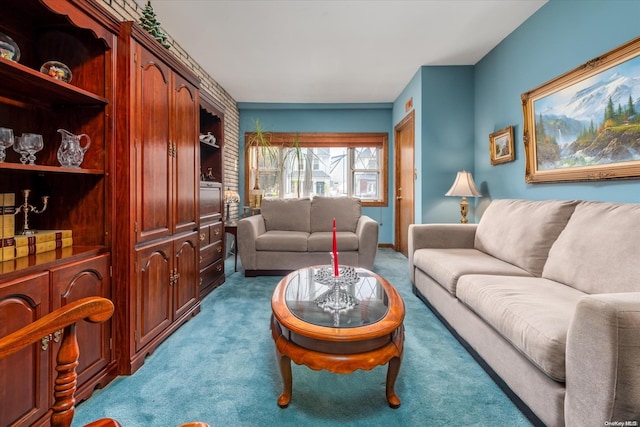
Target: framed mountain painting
<point x="585" y="124"/>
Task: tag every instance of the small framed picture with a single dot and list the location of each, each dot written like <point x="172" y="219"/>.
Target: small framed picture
<point x="501" y="146"/>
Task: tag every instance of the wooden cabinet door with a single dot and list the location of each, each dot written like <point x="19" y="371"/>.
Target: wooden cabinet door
<point x="153" y="148"/>
<point x="25" y="391"/>
<point x="72" y="282"/>
<point x="185" y="137"/>
<point x="154" y="305"/>
<point x="187" y="272"/>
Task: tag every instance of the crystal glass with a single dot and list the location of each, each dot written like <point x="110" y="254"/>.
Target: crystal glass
<point x="6" y="141"/>
<point x="28" y="145"/>
<point x="18" y="149"/>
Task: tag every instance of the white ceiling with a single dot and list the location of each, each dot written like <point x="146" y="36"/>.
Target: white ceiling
<point x="334" y="51"/>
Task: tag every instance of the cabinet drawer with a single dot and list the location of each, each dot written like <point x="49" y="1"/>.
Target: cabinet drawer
<point x="203" y="235"/>
<point x="217" y="251"/>
<point x="210" y="253"/>
<point x="211" y="273"/>
<point x="215" y="233"/>
<point x="207" y="255"/>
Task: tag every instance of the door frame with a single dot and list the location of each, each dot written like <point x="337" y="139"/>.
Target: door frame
<point x="408" y="120"/>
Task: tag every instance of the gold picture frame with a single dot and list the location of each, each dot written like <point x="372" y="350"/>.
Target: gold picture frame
<point x="585" y="124"/>
<point x="501" y="146"/>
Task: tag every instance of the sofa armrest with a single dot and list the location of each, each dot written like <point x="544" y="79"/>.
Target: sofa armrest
<point x="602" y="363"/>
<point x="248" y="231"/>
<point x="367" y="232"/>
<point x="438" y="236"/>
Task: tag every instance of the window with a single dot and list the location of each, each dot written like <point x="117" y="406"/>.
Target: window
<point x="326" y="164"/>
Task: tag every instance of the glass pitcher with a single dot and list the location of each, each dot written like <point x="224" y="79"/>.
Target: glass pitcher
<point x="71" y="153"/>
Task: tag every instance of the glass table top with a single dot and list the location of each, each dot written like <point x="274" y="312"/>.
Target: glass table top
<point x="305" y="289"/>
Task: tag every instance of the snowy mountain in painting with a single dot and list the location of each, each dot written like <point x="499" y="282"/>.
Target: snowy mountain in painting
<point x="590" y="103"/>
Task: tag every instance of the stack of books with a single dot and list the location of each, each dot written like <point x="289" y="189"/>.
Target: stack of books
<point x="7" y="226"/>
<point x="42" y="241"/>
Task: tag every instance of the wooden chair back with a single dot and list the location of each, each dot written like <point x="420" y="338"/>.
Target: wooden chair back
<point x="91" y="309"/>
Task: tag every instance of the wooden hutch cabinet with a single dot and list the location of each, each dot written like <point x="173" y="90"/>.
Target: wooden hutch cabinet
<point x="81" y="35"/>
<point x="157" y="202"/>
<point x="133" y="206"/>
<point x="212" y="239"/>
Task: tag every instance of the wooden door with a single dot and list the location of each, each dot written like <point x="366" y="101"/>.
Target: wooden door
<point x="154" y="308"/>
<point x="153" y="161"/>
<point x="25" y="390"/>
<point x="186" y="273"/>
<point x="78" y="280"/>
<point x="186" y="171"/>
<point x="405" y="176"/>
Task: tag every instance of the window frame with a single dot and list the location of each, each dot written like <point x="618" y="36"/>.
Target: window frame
<point x="328" y="140"/>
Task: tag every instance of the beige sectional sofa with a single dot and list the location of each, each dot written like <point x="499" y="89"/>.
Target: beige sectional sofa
<point x="546" y="294"/>
<point x="294" y="233"/>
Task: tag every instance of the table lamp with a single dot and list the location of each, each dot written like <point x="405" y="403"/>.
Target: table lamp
<point x="464" y="187"/>
<point x="230" y="196"/>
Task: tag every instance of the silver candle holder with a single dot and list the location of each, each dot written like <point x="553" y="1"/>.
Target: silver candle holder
<point x="336" y="298"/>
<point x="27" y="208"/>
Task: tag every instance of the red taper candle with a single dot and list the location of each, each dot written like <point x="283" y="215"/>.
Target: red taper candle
<point x="335" y="250"/>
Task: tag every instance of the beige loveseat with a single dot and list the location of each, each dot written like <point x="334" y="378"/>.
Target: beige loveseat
<point x="547" y="294"/>
<point x="295" y="233"/>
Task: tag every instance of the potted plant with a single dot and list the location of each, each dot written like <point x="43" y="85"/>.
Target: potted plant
<point x="258" y="148"/>
<point x="295" y="158"/>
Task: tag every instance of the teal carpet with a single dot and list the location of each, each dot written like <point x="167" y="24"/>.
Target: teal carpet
<point x="220" y="368"/>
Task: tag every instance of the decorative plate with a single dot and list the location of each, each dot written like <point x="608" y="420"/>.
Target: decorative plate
<point x="8" y="48"/>
<point x="57" y="70"/>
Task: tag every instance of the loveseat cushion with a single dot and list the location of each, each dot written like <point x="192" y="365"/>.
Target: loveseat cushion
<point x="446" y="266"/>
<point x="530" y="312"/>
<point x="286" y="214"/>
<point x="346" y="211"/>
<point x="599" y="249"/>
<point x="282" y="241"/>
<point x="521" y="232"/>
<point x="322" y="241"/>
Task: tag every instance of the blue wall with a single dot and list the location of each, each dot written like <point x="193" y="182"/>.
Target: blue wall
<point x="559" y="37"/>
<point x="447" y="138"/>
<point x="325" y="118"/>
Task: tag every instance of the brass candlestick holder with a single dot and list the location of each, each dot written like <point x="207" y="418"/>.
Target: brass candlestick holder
<point x="27" y="208"/>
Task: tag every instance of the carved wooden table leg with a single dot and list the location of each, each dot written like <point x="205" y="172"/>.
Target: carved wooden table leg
<point x="285" y="371"/>
<point x="284" y="362"/>
<point x="392" y="374"/>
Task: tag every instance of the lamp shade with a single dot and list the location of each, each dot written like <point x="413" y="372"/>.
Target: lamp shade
<point x="231" y="196"/>
<point x="463" y="186"/>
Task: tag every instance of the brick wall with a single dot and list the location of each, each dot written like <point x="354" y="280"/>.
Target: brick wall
<point x="129" y="10"/>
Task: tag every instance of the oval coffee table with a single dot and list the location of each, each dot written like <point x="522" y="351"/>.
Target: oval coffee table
<point x="363" y="337"/>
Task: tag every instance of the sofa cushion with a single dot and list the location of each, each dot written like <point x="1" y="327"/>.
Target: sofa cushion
<point x="284" y="241"/>
<point x="530" y="312"/>
<point x="446" y="266"/>
<point x="346" y="211"/>
<point x="599" y="249"/>
<point x="322" y="241"/>
<point x="286" y="214"/>
<point x="522" y="231"/>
